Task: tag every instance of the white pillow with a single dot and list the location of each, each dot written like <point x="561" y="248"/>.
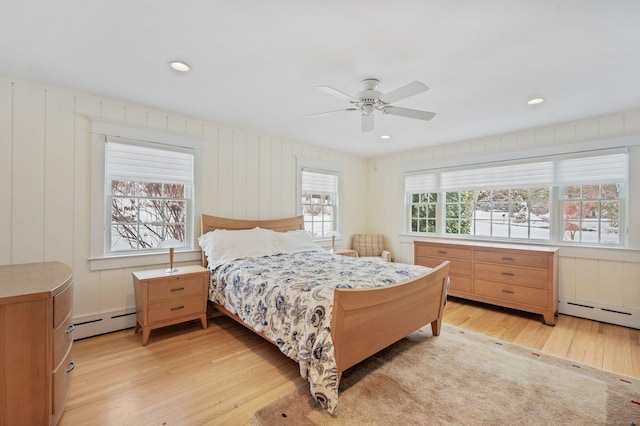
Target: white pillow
<point x="223" y="245"/>
<point x="295" y="242"/>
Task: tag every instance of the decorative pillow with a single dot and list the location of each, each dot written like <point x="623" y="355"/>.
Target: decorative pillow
<point x="295" y="242"/>
<point x="223" y="245"/>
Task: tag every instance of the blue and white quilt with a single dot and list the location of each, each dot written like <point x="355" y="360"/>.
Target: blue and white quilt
<point x="289" y="299"/>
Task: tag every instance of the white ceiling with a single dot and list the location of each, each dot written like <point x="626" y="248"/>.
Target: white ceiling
<point x="255" y="63"/>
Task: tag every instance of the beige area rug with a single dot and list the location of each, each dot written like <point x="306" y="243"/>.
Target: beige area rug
<point x="465" y="378"/>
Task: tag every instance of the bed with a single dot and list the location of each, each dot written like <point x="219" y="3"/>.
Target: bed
<point x="358" y="322"/>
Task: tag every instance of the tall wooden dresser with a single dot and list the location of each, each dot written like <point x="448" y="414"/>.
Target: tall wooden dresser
<point x="35" y="342"/>
<point x="515" y="276"/>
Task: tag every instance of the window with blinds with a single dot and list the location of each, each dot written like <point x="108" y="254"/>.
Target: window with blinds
<point x="319" y="190"/>
<point x="148" y="196"/>
<point x="575" y="198"/>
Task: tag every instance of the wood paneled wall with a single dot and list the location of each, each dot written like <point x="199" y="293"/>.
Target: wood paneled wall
<point x="45" y="180"/>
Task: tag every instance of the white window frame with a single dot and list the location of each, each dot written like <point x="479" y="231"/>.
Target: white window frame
<point x="556" y="237"/>
<point x="320" y="166"/>
<point x="99" y="258"/>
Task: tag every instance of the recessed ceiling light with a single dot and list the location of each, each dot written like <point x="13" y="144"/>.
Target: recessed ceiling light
<point x="385" y="137"/>
<point x="180" y="66"/>
<point x="535" y="101"/>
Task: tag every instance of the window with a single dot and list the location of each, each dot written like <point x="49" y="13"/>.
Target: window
<point x="521" y="213"/>
<point x="148" y="195"/>
<point x="544" y="199"/>
<point x="319" y="201"/>
<point x="591" y="213"/>
<point x="423" y="212"/>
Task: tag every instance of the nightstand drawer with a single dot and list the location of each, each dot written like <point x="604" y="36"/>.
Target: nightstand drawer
<point x="176" y="308"/>
<point x="512" y="293"/>
<point x="176" y="287"/>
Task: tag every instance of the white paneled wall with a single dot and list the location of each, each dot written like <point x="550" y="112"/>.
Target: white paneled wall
<point x="593" y="282"/>
<point x="45" y="181"/>
<point x="45" y="185"/>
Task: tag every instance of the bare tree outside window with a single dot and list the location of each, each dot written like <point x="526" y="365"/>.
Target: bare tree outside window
<point x="319" y="213"/>
<point x="143" y="214"/>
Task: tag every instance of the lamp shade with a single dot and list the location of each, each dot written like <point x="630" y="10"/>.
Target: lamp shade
<point x="171" y="243"/>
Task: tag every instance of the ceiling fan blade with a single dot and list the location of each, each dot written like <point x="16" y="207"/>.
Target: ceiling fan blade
<point x="409" y="113"/>
<point x="335" y="92"/>
<point x="367" y="122"/>
<point x="403" y="92"/>
<point x="331" y="112"/>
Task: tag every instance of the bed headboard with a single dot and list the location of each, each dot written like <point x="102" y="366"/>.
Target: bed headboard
<point x="211" y="223"/>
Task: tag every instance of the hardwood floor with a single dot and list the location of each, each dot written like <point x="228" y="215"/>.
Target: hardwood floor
<point x="222" y="375"/>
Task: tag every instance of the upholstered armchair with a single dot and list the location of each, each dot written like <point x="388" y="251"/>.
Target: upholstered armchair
<point x="370" y="246"/>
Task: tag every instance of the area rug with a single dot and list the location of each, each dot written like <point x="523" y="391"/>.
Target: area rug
<point x="465" y="378"/>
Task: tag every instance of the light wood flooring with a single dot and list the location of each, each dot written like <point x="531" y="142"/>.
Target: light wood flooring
<point x="222" y="375"/>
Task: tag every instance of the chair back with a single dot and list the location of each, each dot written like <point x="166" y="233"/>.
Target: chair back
<point x="368" y="244"/>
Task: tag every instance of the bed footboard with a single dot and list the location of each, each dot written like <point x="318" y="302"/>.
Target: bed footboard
<point x="366" y="321"/>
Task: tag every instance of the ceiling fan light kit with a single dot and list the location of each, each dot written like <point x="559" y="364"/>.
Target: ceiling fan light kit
<point x="369" y="99"/>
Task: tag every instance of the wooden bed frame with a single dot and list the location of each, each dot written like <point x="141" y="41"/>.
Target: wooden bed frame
<point x="364" y="321"/>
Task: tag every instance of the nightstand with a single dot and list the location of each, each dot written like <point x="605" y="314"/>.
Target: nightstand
<point x="164" y="299"/>
<point x="347" y="252"/>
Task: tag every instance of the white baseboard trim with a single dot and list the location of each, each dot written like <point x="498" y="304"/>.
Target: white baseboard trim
<point x="627" y="317"/>
<point x="93" y="325"/>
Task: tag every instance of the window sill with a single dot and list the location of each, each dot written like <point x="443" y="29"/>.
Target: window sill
<point x="616" y="253"/>
<point x="139" y="260"/>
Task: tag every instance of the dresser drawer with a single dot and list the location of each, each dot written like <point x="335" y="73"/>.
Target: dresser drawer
<point x="176" y="287"/>
<point x="62" y="383"/>
<point x="62" y="304"/>
<point x="459" y="267"/>
<point x="513" y="258"/>
<point x="460" y="283"/>
<point x="176" y="308"/>
<point x="443" y="252"/>
<point x="62" y="340"/>
<point x="512" y="293"/>
<point x="512" y="274"/>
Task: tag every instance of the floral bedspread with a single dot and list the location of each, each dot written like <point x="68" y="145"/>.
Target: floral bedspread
<point x="289" y="299"/>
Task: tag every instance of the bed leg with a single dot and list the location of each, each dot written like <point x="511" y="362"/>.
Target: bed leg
<point x="435" y="327"/>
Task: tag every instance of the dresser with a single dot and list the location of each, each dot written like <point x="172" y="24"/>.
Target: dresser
<point x="164" y="299"/>
<point x="36" y="359"/>
<point x="521" y="277"/>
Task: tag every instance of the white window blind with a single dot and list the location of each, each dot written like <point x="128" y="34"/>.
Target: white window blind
<point x="143" y="162"/>
<point x="319" y="183"/>
<point x="602" y="167"/>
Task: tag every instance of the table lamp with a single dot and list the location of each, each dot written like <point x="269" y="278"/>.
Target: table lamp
<point x="171" y="244"/>
<point x="333" y="235"/>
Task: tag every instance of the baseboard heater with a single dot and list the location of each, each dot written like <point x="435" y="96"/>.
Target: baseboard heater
<point x="93" y="325"/>
<point x="627" y="317"/>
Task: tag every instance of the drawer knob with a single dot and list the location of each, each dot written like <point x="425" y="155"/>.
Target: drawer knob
<point x="508" y="258"/>
<point x="70" y="329"/>
<point x="177" y="308"/>
<point x="442" y="252"/>
<point x="509" y="274"/>
<point x="508" y="291"/>
<point x="177" y="289"/>
<point x="71" y="366"/>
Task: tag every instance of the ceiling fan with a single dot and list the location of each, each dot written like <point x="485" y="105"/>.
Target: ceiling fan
<point x="368" y="100"/>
